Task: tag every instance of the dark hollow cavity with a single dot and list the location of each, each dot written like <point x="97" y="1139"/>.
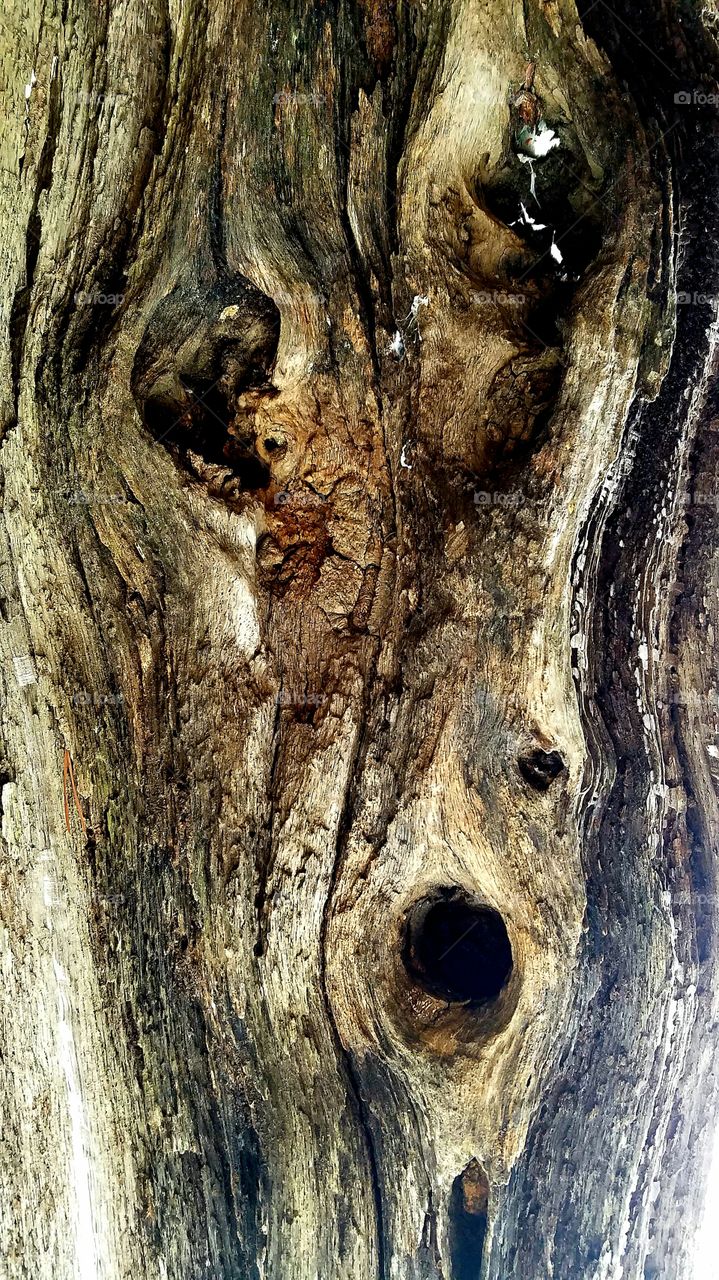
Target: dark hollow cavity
<point x="540" y="768"/>
<point x="457" y="949"/>
<point x="206" y="348"/>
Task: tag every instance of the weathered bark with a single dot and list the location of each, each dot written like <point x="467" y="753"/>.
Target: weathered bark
<point x="358" y="567"/>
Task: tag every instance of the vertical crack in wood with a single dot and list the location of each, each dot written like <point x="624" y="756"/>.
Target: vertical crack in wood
<point x="215" y="204"/>
<point x="468" y="1222"/>
<point x="359" y="1104"/>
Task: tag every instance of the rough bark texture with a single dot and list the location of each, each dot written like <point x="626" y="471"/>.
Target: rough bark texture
<point x="359" y="566"/>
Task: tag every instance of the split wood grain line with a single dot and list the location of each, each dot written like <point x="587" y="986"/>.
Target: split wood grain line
<point x="68" y="773"/>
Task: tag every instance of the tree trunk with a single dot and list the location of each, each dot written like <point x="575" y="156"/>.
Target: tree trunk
<point x="359" y="639"/>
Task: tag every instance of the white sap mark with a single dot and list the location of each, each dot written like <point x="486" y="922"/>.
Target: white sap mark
<point x="403" y="458"/>
<point x="541" y="142"/>
<point x="527" y="220"/>
<point x="644" y="654"/>
<point x="713" y="752"/>
<point x="85" y="1247"/>
<point x="412" y="321"/>
<point x="396" y="346"/>
<point x="410" y="324"/>
<point x="30" y="86"/>
<point x="532" y="175"/>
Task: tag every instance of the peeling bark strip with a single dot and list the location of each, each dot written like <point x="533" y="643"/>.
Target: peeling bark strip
<point x="360" y="472"/>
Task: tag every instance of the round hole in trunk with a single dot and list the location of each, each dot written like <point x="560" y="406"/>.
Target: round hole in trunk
<point x="457" y="948"/>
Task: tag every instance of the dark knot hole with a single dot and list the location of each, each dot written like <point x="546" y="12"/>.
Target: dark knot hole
<point x="540" y="768"/>
<point x="457" y="949"/>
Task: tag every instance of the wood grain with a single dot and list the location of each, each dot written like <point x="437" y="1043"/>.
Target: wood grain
<point x="358" y="545"/>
